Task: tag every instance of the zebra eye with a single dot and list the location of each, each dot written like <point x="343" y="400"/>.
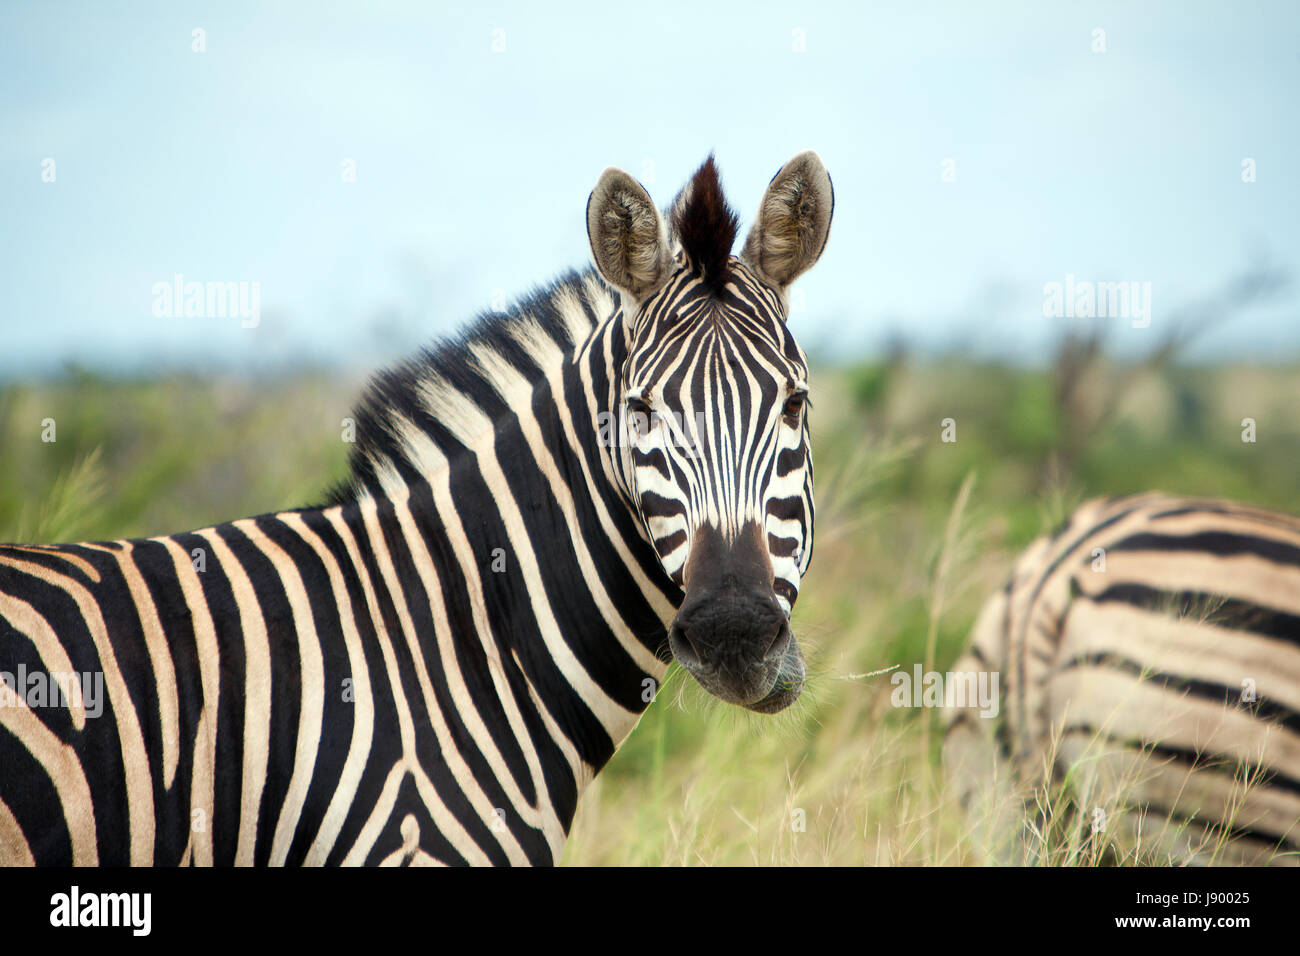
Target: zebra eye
<point x="638" y="417"/>
<point x="794" y="406"/>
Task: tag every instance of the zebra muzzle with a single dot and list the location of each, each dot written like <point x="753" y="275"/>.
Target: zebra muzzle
<point x="730" y="633"/>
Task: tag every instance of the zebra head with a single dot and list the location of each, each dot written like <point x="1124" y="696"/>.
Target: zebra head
<point x="713" y="441"/>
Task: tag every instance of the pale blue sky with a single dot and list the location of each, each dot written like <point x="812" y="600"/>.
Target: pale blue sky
<point x="473" y="166"/>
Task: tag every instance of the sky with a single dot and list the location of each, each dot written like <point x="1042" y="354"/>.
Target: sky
<point x="378" y="174"/>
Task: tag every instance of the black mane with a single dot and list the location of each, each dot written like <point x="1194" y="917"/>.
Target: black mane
<point x="397" y="387"/>
<point x="701" y="220"/>
<point x="706" y="225"/>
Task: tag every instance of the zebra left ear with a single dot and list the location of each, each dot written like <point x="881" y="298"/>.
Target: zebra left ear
<point x="794" y="221"/>
<point x="629" y="240"/>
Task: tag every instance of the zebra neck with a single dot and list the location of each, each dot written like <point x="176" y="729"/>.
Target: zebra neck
<point x="506" y="511"/>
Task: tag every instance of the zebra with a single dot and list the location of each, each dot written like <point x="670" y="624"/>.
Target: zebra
<point x="1149" y="655"/>
<point x="429" y="666"/>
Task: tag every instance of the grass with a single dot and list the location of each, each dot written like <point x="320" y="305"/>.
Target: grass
<point x="912" y="534"/>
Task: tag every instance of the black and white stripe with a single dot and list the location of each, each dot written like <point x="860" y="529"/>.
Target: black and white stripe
<point x="432" y="665"/>
<point x="1149" y="654"/>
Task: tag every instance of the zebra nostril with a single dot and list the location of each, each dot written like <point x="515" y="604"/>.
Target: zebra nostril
<point x="780" y="641"/>
<point x="684" y="648"/>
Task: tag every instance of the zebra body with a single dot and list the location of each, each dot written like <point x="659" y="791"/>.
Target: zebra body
<point x="1149" y="656"/>
<point x="431" y="666"/>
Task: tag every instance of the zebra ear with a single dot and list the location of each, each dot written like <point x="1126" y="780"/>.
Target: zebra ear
<point x="629" y="240"/>
<point x="793" y="222"/>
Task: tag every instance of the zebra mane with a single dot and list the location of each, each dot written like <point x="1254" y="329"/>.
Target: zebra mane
<point x="415" y="416"/>
<point x="450" y="388"/>
<point x="705" y="225"/>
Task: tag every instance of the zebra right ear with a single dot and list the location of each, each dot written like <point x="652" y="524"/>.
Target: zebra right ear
<point x="629" y="239"/>
<point x="794" y="221"/>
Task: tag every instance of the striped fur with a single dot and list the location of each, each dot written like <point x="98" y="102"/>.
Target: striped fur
<point x="1129" y="646"/>
<point x="432" y="665"/>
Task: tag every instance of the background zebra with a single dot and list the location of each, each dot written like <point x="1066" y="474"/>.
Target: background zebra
<point x="432" y="665"/>
<point x="1149" y="654"/>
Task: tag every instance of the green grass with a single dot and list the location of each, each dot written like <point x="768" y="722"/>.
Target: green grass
<point x="903" y="559"/>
